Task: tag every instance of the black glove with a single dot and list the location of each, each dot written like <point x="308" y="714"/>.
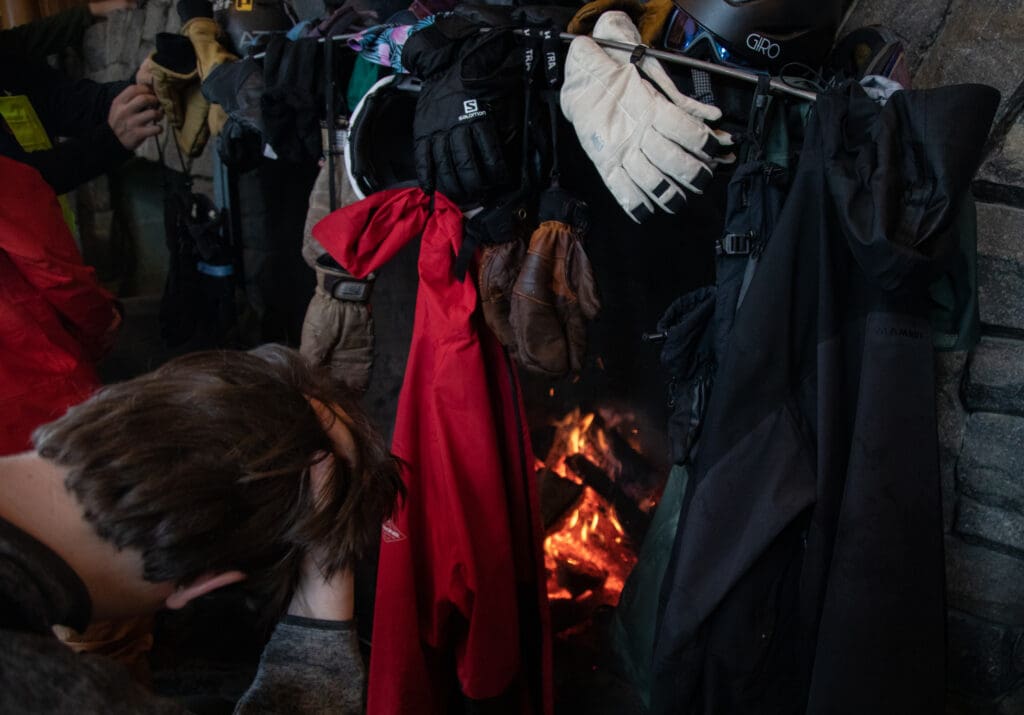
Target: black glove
<point x="238" y="88"/>
<point x="188" y="9"/>
<point x="293" y="100"/>
<point x="469" y="112"/>
<point x="239" y="147"/>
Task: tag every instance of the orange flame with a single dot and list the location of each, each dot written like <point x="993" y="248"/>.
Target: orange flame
<point x="583" y="542"/>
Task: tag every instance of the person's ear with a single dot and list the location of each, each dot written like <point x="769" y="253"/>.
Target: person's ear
<point x="338" y="426"/>
<point x="203" y="585"/>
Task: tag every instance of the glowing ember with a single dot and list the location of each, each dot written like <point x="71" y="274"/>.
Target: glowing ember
<point x="587" y="553"/>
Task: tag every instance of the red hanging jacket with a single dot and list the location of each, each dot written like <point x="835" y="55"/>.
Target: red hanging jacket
<point x="55" y="318"/>
<point x="460" y="581"/>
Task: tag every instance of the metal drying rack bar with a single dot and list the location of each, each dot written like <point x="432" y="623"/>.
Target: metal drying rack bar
<point x="776" y="84"/>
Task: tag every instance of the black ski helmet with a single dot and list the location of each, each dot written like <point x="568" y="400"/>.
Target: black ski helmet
<point x="770" y="33"/>
<point x="247" y="22"/>
<point x="379" y="153"/>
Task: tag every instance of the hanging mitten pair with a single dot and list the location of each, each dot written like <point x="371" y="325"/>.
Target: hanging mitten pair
<point x="538" y="301"/>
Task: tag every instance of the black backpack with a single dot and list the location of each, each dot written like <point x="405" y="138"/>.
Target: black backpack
<point x="198" y="303"/>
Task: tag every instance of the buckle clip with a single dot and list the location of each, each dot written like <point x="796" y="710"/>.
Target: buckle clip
<point x="351" y="289"/>
<point x="735" y="244"/>
<point x="340" y="284"/>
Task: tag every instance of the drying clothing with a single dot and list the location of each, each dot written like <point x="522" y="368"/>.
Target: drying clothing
<point x="807" y="572"/>
<point x="382" y="44"/>
<point x="197" y="309"/>
<point x="76" y="109"/>
<point x="185" y="107"/>
<point x="320" y="203"/>
<point x="460" y="589"/>
<point x="338" y="329"/>
<point x="309" y="666"/>
<point x="554" y="295"/>
<point x="634" y="623"/>
<point x="278" y="283"/>
<point x="55" y="318"/>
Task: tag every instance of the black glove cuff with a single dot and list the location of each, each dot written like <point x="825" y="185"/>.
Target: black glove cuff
<point x="188" y="9"/>
<point x="435" y="48"/>
<point x="175" y="52"/>
<point x="559" y="205"/>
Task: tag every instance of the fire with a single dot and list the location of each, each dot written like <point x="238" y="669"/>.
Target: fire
<point x="587" y="553"/>
<point x="577" y="433"/>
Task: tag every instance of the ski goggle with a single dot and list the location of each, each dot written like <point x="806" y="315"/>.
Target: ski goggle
<point x="685" y="35"/>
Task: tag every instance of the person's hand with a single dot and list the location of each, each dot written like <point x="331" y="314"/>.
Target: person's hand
<point x="102" y="9"/>
<point x="134" y="115"/>
<point x="331" y="599"/>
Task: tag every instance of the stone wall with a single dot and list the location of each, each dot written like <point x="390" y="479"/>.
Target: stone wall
<point x="981" y="396"/>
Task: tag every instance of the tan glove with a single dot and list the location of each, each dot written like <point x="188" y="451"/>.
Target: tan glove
<point x="320" y="206"/>
<point x="171" y="71"/>
<point x="185" y="107"/>
<point x="649" y="17"/>
<point x="204" y="33"/>
<point x="338" y="329"/>
<point x="555" y="294"/>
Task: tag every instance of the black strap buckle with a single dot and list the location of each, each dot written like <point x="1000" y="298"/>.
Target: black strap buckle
<point x="340" y="284"/>
<point x="735" y="244"/>
<point x="348" y="288"/>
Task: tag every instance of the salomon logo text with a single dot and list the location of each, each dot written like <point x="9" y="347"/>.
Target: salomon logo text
<point x="471" y="110"/>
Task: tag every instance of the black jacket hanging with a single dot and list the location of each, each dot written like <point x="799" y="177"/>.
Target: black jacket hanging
<point x="807" y="572"/>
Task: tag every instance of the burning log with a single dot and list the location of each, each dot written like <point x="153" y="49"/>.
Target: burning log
<point x="578" y="577"/>
<point x="557" y="495"/>
<point x="636" y="472"/>
<point x="634" y="521"/>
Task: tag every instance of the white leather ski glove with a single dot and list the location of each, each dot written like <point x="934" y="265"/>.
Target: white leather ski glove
<point x="648" y="143"/>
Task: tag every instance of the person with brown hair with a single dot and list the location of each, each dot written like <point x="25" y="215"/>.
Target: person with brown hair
<point x="249" y="470"/>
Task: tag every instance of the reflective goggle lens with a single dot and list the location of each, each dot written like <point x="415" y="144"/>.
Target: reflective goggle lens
<point x="684" y="34"/>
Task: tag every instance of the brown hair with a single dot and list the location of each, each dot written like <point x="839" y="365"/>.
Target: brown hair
<point x="203" y="465"/>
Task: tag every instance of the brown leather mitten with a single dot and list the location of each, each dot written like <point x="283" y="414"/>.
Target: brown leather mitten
<point x="500" y="231"/>
<point x="499" y="266"/>
<point x="338" y="330"/>
<point x="555" y="293"/>
<point x="649" y="17"/>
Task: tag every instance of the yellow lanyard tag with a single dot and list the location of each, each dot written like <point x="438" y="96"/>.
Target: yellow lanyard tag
<point x="24" y="123"/>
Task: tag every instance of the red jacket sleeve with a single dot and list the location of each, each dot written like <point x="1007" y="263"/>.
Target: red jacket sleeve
<point x="37" y="240"/>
